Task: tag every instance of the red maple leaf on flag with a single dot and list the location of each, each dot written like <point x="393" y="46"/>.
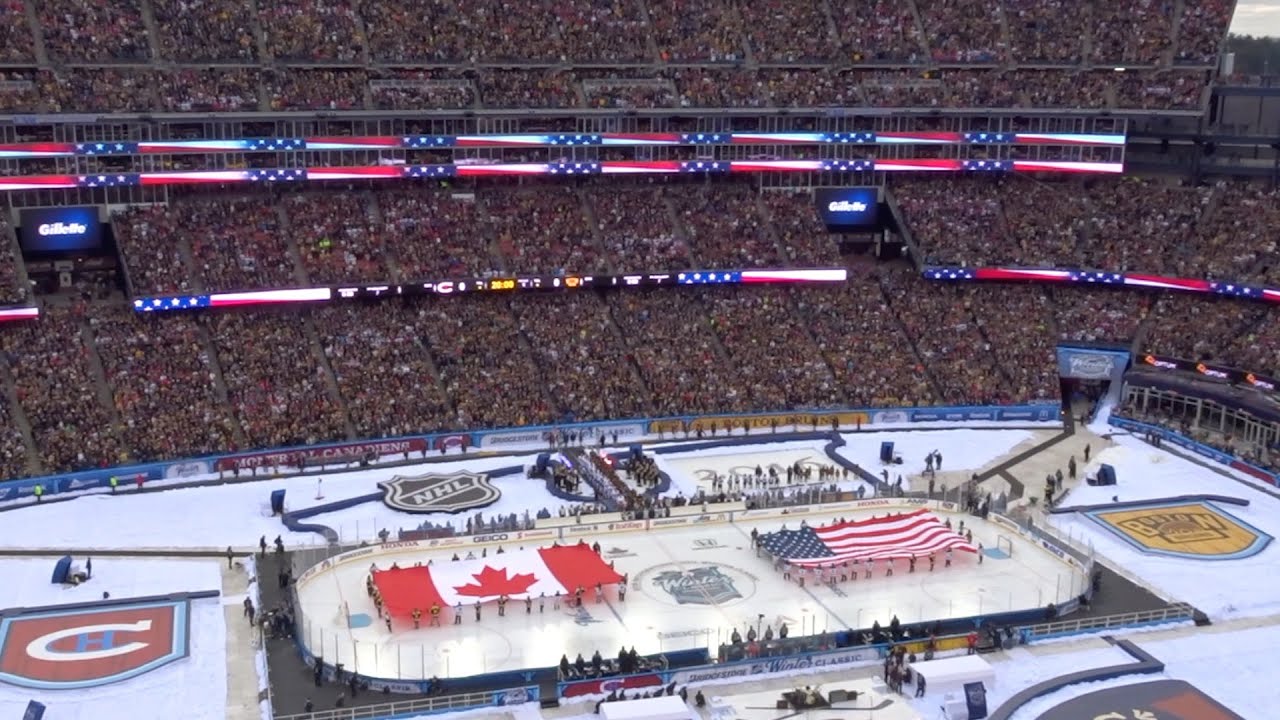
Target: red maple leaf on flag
<point x="491" y="583"/>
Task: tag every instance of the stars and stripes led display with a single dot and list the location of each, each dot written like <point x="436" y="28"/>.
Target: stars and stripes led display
<point x="495" y="140"/>
<point x="531" y="283"/>
<point x="476" y="168"/>
<point x="1101" y="277"/>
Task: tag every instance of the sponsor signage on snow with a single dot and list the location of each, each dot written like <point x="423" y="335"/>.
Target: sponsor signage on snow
<point x="734" y="423"/>
<point x="999" y="414"/>
<point x="581" y="529"/>
<point x="516" y="696"/>
<point x="541" y="436"/>
<point x="299" y="456"/>
<point x="608" y="685"/>
<point x="524" y="437"/>
<point x="439" y="492"/>
<point x="887" y="417"/>
<point x="1091" y="364"/>
<point x="627" y="525"/>
<point x="186" y="469"/>
<point x="776" y="665"/>
<point x="460" y="441"/>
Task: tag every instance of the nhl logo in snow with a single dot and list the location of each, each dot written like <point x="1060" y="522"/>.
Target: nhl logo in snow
<point x="439" y="492"/>
<point x="681" y="584"/>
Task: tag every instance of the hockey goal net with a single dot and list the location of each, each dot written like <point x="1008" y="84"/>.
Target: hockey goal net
<point x="1004" y="545"/>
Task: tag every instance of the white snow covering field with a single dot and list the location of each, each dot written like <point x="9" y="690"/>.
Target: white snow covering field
<point x="194" y="688"/>
<point x="961" y="449"/>
<point x="1232" y="665"/>
<point x="1221" y="588"/>
<point x="237" y="514"/>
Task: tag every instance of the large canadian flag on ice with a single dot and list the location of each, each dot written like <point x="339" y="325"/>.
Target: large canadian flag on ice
<point x="519" y="574"/>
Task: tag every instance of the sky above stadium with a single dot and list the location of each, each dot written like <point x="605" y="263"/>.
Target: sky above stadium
<point x="1257" y="17"/>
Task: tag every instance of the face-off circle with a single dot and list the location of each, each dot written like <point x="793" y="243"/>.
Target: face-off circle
<point x="708" y="584"/>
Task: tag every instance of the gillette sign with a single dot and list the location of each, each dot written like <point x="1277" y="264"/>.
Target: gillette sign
<point x="60" y="229"/>
<point x="835" y="206"/>
<point x="848" y="209"/>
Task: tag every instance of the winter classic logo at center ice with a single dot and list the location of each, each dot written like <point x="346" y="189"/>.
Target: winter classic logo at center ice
<point x="697" y="585"/>
<point x="1195" y="530"/>
<point x="79" y="647"/>
<point x="438" y="492"/>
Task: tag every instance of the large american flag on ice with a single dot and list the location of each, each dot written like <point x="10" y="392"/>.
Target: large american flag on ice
<point x="917" y="533"/>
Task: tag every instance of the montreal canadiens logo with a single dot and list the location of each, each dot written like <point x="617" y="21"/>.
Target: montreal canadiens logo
<point x="79" y="647"/>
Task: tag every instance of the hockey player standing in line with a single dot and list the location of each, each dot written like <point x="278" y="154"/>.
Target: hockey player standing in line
<point x="457" y="613"/>
<point x="417" y="618"/>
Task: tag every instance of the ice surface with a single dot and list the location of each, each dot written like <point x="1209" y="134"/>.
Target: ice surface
<point x="657" y="617"/>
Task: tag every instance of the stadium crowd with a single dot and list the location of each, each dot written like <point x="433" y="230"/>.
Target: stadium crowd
<point x="245" y="88"/>
<point x="1104" y="224"/>
<point x="882" y="339"/>
<point x="1134" y="32"/>
<point x="216" y="55"/>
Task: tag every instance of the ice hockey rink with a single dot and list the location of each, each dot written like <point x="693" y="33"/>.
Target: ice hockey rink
<point x="655" y="616"/>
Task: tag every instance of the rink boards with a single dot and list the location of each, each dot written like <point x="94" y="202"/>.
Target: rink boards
<point x="659" y="555"/>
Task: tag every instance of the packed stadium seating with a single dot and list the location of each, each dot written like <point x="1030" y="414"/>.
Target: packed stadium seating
<point x="231" y="88"/>
<point x="162" y="381"/>
<point x="11" y="290"/>
<point x="52" y="371"/>
<point x="91" y="382"/>
<point x="1112" y="225"/>
<point x="665" y="53"/>
<point x="385" y="368"/>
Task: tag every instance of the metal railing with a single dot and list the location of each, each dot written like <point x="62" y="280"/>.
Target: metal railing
<point x="1058" y="628"/>
<point x="422" y="705"/>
